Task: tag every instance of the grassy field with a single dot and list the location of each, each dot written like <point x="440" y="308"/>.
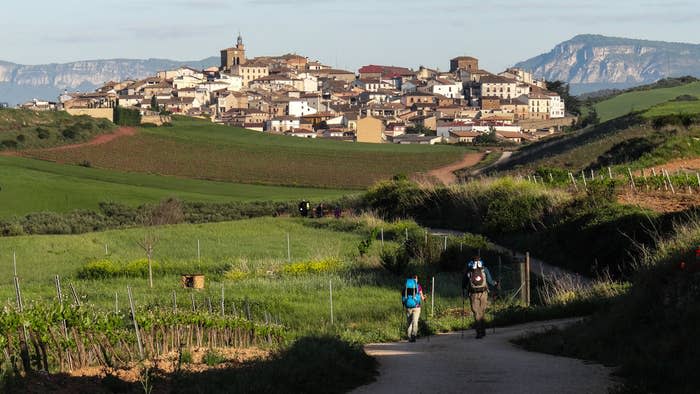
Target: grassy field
<point x="28" y="185"/>
<point x="247" y="257"/>
<point x="674" y="107"/>
<point x="642" y="100"/>
<point x="201" y="150"/>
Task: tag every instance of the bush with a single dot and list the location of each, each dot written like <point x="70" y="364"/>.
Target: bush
<point x="69" y="134"/>
<point x="100" y="269"/>
<point x="312" y="267"/>
<point x="213" y="358"/>
<point x="9" y="144"/>
<point x="105" y="269"/>
<point x="395" y="259"/>
<point x="42" y="133"/>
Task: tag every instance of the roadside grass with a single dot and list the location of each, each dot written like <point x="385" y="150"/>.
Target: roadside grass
<point x="642" y="100"/>
<point x="202" y="150"/>
<point x="648" y="333"/>
<point x="28" y="186"/>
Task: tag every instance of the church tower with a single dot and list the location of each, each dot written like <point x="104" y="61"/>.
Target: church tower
<point x="234" y="56"/>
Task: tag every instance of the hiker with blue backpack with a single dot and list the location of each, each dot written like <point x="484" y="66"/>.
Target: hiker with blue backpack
<point x="412" y="297"/>
<point x="475" y="283"/>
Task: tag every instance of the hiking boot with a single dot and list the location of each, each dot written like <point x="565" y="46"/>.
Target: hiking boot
<point x="412" y="339"/>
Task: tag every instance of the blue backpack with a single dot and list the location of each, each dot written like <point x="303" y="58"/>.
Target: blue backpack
<point x="411" y="296"/>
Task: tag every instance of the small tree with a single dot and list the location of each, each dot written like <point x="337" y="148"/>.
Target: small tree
<point x="154" y="103"/>
<point x="148" y="243"/>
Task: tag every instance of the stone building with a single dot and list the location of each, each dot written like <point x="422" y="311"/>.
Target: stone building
<point x="466" y="63"/>
<point x="233" y="56"/>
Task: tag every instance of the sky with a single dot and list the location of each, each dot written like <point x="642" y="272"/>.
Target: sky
<point x="341" y="33"/>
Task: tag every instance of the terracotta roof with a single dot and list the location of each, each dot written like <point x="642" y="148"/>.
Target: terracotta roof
<point x="496" y="79"/>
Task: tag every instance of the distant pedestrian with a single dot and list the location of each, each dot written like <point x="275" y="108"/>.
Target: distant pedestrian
<point x="304" y="208"/>
<point x="337" y="212"/>
<point x="475" y="284"/>
<point x="412" y="297"/>
<point x="319" y="211"/>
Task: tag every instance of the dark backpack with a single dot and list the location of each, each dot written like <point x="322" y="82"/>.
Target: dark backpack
<point x="411" y="297"/>
<point x="477" y="280"/>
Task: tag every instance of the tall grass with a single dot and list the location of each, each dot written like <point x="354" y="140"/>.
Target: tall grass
<point x="648" y="333"/>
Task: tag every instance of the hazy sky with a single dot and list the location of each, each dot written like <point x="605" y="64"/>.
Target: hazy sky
<point x="342" y="33"/>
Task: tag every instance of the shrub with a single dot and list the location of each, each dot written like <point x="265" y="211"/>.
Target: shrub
<point x="235" y="275"/>
<point x="21" y="138"/>
<point x="42" y="133"/>
<point x="100" y="269"/>
<point x="312" y="267"/>
<point x="395" y="259"/>
<point x="9" y="144"/>
<point x="69" y="134"/>
<point x="213" y="358"/>
<point x="85" y="163"/>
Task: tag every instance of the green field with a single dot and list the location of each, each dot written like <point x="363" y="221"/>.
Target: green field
<point x="201" y="150"/>
<point x="674" y="108"/>
<point x="642" y="100"/>
<point x="28" y="185"/>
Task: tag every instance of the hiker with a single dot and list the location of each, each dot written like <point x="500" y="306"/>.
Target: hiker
<point x="412" y="296"/>
<point x="337" y="212"/>
<point x="475" y="283"/>
<point x="304" y="207"/>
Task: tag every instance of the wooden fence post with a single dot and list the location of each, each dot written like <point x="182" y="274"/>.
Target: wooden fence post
<point x="527" y="277"/>
<point x="136" y="325"/>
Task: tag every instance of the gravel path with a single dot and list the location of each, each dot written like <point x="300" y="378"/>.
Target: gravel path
<point x="448" y="363"/>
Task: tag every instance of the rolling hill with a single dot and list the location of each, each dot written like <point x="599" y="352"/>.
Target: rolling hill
<point x="201" y="150"/>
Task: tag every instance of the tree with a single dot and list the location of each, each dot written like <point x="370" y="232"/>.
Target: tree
<point x="489" y="138"/>
<point x="149" y="242"/>
<point x="562" y="89"/>
<point x="154" y="103"/>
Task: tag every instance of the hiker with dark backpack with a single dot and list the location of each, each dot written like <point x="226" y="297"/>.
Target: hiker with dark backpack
<point x="412" y="297"/>
<point x="477" y="279"/>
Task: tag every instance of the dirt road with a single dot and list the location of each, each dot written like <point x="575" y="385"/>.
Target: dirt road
<point x="446" y="174"/>
<point x="449" y="364"/>
<point x="99" y="140"/>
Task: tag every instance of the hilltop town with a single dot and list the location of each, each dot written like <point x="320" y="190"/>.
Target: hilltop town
<point x="293" y="95"/>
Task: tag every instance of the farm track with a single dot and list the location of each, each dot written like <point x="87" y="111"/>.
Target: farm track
<point x="446" y="173"/>
<point x="98" y="140"/>
<point x="456" y="363"/>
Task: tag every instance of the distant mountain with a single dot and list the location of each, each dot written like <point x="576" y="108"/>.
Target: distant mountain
<point x="593" y="62"/>
<point x="19" y="83"/>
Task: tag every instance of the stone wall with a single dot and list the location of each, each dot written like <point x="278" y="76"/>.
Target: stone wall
<point x="99" y="113"/>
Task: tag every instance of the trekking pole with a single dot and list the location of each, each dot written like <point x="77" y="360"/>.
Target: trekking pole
<point x="463" y="314"/>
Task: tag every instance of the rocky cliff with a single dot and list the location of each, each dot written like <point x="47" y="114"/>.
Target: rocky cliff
<point x="590" y="62"/>
<point x="19" y="83"/>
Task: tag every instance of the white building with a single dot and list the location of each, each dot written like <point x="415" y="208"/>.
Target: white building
<point x="282" y="124"/>
<point x="187" y="81"/>
<point x="301" y="107"/>
<point x="557" y="107"/>
<point x="495" y="86"/>
<point x="449" y="89"/>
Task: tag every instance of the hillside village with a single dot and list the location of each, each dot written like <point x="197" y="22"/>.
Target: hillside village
<point x="293" y="95"/>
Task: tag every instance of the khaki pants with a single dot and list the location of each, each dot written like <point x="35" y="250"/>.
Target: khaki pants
<point x="479" y="302"/>
<point x="412" y="316"/>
